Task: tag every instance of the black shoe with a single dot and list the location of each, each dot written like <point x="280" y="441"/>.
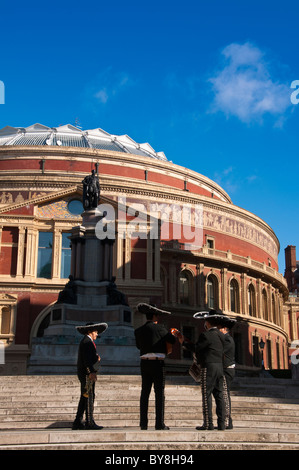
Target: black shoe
<point x="77" y="425"/>
<point x="93" y="426"/>
<point x="162" y="428"/>
<point x="221" y="425"/>
<point x="205" y="428"/>
<point x="230" y="426"/>
<point x="143" y="428"/>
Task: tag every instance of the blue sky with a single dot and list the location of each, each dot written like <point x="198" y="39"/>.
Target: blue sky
<point x="208" y="83"/>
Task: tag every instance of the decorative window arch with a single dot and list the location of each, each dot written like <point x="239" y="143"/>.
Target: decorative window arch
<point x="251" y="300"/>
<point x="234" y="296"/>
<point x="8" y="313"/>
<point x="185" y="287"/>
<point x="212" y="291"/>
<point x="164" y="282"/>
<point x="41" y="322"/>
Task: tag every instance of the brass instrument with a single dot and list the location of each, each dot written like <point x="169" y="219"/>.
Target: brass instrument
<point x="175" y="333"/>
<point x="89" y="382"/>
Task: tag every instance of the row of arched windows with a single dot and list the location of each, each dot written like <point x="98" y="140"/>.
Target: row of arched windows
<point x="212" y="290"/>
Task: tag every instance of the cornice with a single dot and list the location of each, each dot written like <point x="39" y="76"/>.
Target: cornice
<point x="40" y="199"/>
<point x="104" y="156"/>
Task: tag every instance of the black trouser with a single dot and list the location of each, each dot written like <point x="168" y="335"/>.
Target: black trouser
<point x="212" y="384"/>
<point x="86" y="401"/>
<point x="152" y="372"/>
<point x="229" y="375"/>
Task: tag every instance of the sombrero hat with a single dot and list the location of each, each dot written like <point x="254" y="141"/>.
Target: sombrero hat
<point x="228" y="322"/>
<point x="99" y="327"/>
<point x="208" y="315"/>
<point x="212" y="314"/>
<point x="151" y="309"/>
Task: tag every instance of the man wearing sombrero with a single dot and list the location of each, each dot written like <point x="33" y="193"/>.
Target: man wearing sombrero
<point x="225" y="325"/>
<point x="87" y="365"/>
<point x="151" y="340"/>
<point x="209" y="353"/>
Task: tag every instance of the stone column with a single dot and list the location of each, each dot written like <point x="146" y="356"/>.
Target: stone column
<point x="56" y="254"/>
<point x="200" y="285"/>
<point x="1" y="307"/>
<point x="128" y="258"/>
<point x="223" y="290"/>
<point x="21" y="251"/>
<point x="157" y="244"/>
<point x="119" y="259"/>
<point x="149" y="259"/>
<point x="243" y="294"/>
<point x="31" y="251"/>
<point x="259" y="306"/>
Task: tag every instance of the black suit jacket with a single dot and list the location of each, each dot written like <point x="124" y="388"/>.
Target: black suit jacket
<point x="152" y="338"/>
<point x="229" y="351"/>
<point x="87" y="356"/>
<point x="209" y="347"/>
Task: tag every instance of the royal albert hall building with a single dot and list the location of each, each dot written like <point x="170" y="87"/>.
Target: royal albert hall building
<point x="234" y="269"/>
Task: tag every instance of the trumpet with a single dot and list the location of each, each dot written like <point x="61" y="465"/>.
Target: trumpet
<point x="175" y="332"/>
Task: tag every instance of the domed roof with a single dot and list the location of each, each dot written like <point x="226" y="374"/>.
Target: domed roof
<point x="71" y="136"/>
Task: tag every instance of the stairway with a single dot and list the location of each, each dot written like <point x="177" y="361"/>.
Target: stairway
<point x="36" y="412"/>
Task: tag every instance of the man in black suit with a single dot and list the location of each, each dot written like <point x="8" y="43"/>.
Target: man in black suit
<point x="151" y="340"/>
<point x="228" y="367"/>
<point x="87" y="365"/>
<point x="209" y="353"/>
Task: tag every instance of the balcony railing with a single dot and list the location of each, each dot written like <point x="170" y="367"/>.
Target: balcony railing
<point x="205" y="251"/>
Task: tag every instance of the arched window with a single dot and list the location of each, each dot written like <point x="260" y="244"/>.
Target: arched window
<point x="212" y="292"/>
<point x="251" y="301"/>
<point x="163" y="278"/>
<point x="6" y="320"/>
<point x="185" y="287"/>
<point x="234" y="296"/>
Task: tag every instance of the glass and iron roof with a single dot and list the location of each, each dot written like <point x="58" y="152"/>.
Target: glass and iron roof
<point x="71" y="136"/>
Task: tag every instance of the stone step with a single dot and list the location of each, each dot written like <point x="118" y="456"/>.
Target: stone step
<point x="54" y="398"/>
<point x="130" y="379"/>
<point x="129" y="424"/>
<point x="129" y="406"/>
<point x="61" y="420"/>
<point x="36" y="412"/>
<point x="134" y="439"/>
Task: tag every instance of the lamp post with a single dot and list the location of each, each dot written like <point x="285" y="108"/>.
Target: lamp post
<point x="262" y="345"/>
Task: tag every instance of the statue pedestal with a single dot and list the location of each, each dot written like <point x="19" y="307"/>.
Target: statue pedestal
<point x="89" y="296"/>
<point x="56" y="352"/>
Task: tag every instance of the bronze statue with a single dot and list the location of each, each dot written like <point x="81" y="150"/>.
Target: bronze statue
<point x="68" y="295"/>
<point x="115" y="297"/>
<point x="91" y="191"/>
